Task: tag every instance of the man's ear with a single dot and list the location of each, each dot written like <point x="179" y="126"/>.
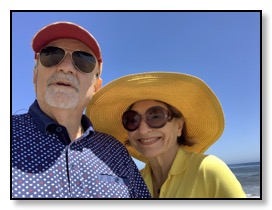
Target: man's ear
<point x="97" y="85"/>
<point x="35" y="72"/>
<point x="35" y="75"/>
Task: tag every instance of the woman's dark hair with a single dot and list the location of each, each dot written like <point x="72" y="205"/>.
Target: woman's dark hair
<point x="184" y="139"/>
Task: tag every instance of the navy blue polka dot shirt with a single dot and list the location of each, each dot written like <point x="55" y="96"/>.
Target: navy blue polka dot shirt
<point x="47" y="164"/>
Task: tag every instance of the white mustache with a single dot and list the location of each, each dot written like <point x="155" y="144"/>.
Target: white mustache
<point x="63" y="78"/>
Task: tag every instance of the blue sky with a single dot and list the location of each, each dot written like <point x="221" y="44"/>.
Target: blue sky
<point x="222" y="48"/>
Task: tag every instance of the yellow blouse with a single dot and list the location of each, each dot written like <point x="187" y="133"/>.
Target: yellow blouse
<point x="195" y="175"/>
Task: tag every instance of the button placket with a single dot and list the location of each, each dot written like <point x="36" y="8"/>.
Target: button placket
<point x="59" y="129"/>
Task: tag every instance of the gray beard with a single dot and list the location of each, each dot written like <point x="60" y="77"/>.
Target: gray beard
<point x="61" y="97"/>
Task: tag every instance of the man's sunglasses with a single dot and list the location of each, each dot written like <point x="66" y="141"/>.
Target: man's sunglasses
<point x="51" y="56"/>
<point x="154" y="117"/>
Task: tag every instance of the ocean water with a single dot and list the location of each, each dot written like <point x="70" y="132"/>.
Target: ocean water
<point x="249" y="176"/>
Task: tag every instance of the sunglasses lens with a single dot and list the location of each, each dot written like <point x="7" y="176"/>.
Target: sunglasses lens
<point x="51" y="56"/>
<point x="131" y="120"/>
<point x="156" y="117"/>
<point x="84" y="61"/>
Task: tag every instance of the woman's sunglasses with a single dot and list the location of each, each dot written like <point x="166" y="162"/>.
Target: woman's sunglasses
<point x="154" y="117"/>
<point x="51" y="56"/>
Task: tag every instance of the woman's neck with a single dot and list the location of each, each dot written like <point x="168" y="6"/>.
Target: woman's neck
<point x="160" y="167"/>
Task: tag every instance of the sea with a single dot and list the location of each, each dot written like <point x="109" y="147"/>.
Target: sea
<point x="249" y="176"/>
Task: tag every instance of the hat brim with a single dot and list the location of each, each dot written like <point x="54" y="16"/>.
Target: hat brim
<point x="202" y="110"/>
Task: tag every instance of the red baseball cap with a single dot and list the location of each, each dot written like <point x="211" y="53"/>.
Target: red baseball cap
<point x="68" y="30"/>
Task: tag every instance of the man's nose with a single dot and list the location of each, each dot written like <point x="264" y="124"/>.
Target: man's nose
<point x="67" y="65"/>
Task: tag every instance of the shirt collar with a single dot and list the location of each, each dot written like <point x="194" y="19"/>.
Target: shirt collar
<point x="180" y="162"/>
<point x="43" y="121"/>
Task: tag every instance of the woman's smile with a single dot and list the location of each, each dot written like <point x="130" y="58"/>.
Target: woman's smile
<point x="148" y="141"/>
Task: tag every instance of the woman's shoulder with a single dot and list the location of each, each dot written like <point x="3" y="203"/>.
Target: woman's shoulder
<point x="213" y="165"/>
<point x="204" y="159"/>
<point x="205" y="162"/>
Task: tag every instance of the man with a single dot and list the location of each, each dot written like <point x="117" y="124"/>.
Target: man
<point x="55" y="151"/>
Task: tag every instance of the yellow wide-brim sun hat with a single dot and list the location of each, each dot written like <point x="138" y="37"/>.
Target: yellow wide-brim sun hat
<point x="199" y="105"/>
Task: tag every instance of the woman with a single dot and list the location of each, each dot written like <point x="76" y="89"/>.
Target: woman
<point x="168" y="120"/>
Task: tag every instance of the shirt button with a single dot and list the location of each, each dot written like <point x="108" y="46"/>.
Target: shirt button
<point x="58" y="129"/>
<point x="73" y="166"/>
<point x="117" y="179"/>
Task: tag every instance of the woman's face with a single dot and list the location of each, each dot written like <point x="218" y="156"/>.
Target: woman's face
<point x="155" y="142"/>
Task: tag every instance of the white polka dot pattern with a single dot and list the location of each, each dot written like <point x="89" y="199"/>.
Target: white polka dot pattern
<point x="48" y="165"/>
